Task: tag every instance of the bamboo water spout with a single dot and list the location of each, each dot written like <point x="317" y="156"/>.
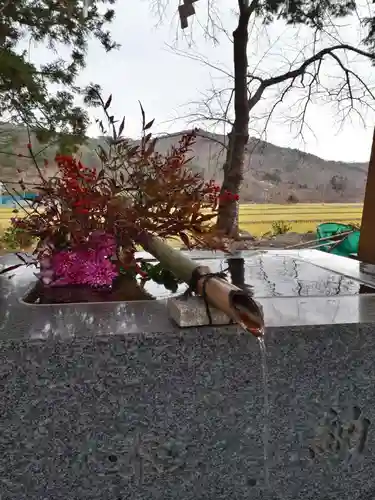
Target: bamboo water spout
<point x="236" y="303"/>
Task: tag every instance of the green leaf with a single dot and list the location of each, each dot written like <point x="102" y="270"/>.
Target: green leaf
<point x="43" y="96"/>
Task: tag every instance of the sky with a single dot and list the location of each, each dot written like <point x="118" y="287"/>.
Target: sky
<point x="149" y="68"/>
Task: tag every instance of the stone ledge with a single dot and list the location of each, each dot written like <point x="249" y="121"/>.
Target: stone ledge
<point x="191" y="311"/>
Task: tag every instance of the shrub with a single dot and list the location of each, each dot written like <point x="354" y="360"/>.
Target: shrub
<point x="273" y="177"/>
<point x="280" y="227"/>
<point x="87" y="223"/>
<point x="292" y="198"/>
<point x="15" y="238"/>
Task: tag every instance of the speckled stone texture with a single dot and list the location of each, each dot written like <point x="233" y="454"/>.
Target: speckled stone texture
<point x="180" y="416"/>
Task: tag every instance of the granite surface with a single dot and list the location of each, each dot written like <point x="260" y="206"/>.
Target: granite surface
<point x="180" y="416"/>
<point x="112" y="401"/>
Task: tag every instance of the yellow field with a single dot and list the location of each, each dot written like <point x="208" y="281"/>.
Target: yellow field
<point x="258" y="219"/>
<point x="302" y="217"/>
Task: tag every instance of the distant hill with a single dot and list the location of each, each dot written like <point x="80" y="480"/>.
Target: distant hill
<point x="272" y="173"/>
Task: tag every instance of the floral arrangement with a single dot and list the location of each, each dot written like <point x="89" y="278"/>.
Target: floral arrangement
<point x="87" y="222"/>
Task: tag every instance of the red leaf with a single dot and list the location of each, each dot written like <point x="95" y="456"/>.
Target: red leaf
<point x="205" y="217"/>
<point x="185" y="240"/>
<point x="195" y="212"/>
<point x="108" y="103"/>
<point x="132" y="151"/>
<point x="149" y="124"/>
<point x="121" y="128"/>
<point x="143" y="115"/>
<point x="150" y="149"/>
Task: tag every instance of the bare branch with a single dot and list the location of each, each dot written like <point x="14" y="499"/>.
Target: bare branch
<point x="200" y="133"/>
<point x="200" y="59"/>
<point x="293" y="74"/>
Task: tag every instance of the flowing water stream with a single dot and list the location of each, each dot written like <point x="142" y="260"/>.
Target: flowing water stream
<point x="266" y="409"/>
<point x="259" y="334"/>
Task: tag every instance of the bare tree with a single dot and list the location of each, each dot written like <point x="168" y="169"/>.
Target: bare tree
<point x="339" y="183"/>
<point x="292" y="198"/>
<point x="304" y="77"/>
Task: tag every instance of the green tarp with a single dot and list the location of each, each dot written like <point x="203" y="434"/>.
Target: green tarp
<point x="347" y="247"/>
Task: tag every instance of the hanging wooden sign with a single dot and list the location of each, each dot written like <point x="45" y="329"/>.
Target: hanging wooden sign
<point x="186" y="10"/>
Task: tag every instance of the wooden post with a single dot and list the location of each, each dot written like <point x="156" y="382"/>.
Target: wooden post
<point x="366" y="251"/>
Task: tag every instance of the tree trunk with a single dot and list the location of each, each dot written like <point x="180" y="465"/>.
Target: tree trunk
<point x="236" y="269"/>
<point x="234" y="162"/>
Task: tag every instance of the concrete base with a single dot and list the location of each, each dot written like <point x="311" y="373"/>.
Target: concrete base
<point x="191" y="311"/>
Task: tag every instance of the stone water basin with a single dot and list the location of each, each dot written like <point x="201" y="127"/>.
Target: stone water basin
<point x="293" y="287"/>
<point x="265" y="275"/>
<point x="113" y="401"/>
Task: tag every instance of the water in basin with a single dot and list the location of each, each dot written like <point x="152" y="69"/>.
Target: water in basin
<point x="273" y="275"/>
<point x="264" y="275"/>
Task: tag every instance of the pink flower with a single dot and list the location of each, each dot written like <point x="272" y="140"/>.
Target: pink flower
<point x="99" y="273"/>
<point x="85" y="265"/>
